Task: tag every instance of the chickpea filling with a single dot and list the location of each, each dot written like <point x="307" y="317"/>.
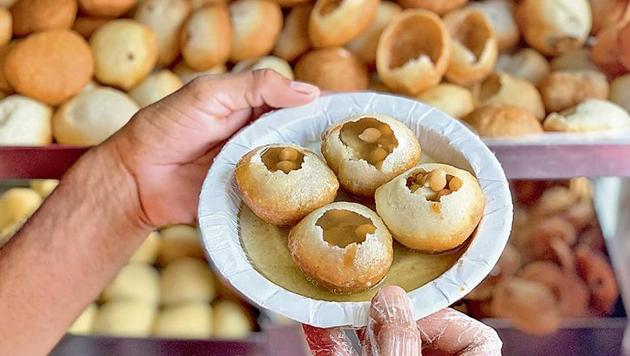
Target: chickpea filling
<point x="433" y="185"/>
<point x="473" y="34"/>
<point x="369" y="139"/>
<point x="490" y="87"/>
<point x="285" y="159"/>
<point x="414" y="39"/>
<point x="345" y="227"/>
<point x="330" y="6"/>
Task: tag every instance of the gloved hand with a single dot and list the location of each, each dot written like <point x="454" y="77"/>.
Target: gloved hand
<point x="391" y="330"/>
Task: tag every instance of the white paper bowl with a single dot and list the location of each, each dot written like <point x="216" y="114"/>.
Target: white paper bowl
<point x="444" y="139"/>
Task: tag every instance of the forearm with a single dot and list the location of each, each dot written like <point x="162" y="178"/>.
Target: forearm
<point x="73" y="245"/>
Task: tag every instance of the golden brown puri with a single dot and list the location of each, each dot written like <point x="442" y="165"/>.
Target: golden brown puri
<point x="283" y="183"/>
<point x="454" y="100"/>
<point x="293" y="40"/>
<point x="344" y="247"/>
<point x="503" y="121"/>
<point x="50" y="66"/>
<point x="474" y="46"/>
<point x="39" y="15"/>
<point x="334" y="22"/>
<point x="366" y="151"/>
<point x="256" y="24"/>
<point x="503" y="89"/>
<point x="125" y="51"/>
<point x="413" y="52"/>
<point x="554" y="26"/>
<point x="589" y="115"/>
<point x="564" y="89"/>
<point x="335" y="69"/>
<point x="525" y="64"/>
<point x="432" y="207"/>
<point x="203" y="37"/>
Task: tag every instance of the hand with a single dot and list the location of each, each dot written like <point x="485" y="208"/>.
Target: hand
<point x="168" y="146"/>
<point x="391" y="330"/>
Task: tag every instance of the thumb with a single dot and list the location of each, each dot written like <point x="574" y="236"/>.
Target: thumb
<point x="391" y="328"/>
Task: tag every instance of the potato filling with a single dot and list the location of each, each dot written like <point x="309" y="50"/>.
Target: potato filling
<point x="345" y="227"/>
<point x="472" y="32"/>
<point x="285" y="159"/>
<point x="369" y="139"/>
<point x="415" y="38"/>
<point x="433" y="185"/>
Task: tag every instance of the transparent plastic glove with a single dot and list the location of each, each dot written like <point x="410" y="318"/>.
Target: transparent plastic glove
<point x="391" y="330"/>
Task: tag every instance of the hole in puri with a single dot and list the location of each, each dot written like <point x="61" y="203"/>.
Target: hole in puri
<point x="285" y="159"/>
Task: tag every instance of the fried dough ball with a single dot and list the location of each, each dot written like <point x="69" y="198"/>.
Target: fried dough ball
<point x="274" y="181"/>
<point x="343" y="247"/>
<point x="334" y="23"/>
<point x="50" y="66"/>
<point x="413" y="52"/>
<point x="474" y="47"/>
<point x="185" y="321"/>
<point x="204" y="37"/>
<point x="525" y="64"/>
<point x="256" y="25"/>
<point x="39" y="15"/>
<point x="125" y="52"/>
<point x="126" y="317"/>
<point x="293" y="40"/>
<point x="179" y="241"/>
<point x="608" y="50"/>
<point x="440" y="7"/>
<point x="136" y="281"/>
<point x="165" y="19"/>
<point x="279" y="65"/>
<point x="335" y="69"/>
<point x="231" y="320"/>
<point x="17" y="204"/>
<point x="590" y="115"/>
<point x="578" y="59"/>
<point x="365" y="44"/>
<point x="25" y="122"/>
<point x="500" y="14"/>
<point x="503" y="89"/>
<point x="565" y="89"/>
<point x="454" y="100"/>
<point x="554" y="26"/>
<point x="503" y="121"/>
<point x="544" y="232"/>
<point x="92" y="116"/>
<point x="530" y="306"/>
<point x="187" y="280"/>
<point x="598" y="274"/>
<point x="155" y="87"/>
<point x="6" y="26"/>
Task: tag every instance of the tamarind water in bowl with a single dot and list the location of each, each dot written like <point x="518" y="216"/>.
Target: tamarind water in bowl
<point x="266" y="247"/>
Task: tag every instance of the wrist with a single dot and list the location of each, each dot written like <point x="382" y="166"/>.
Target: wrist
<point x="108" y="185"/>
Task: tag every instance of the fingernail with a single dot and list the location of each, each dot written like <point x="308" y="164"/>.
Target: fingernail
<point x="391" y="305"/>
<point x="304" y="88"/>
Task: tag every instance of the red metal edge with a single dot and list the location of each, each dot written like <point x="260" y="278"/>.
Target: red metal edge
<point x="520" y="161"/>
<point x="38" y="162"/>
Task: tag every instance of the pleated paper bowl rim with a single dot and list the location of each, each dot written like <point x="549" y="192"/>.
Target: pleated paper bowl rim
<point x="444" y="139"/>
